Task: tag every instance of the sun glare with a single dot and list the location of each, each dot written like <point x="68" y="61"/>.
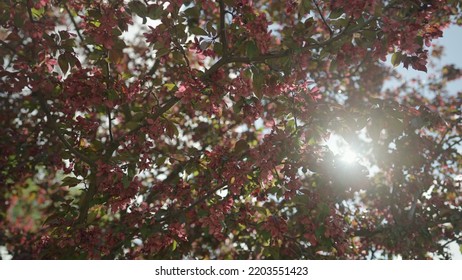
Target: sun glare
<point x="348" y="155"/>
<point x="342" y="149"/>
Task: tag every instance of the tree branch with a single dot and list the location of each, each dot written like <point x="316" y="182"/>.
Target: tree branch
<point x="450" y="241"/>
<point x="111" y="137"/>
<point x="87" y="198"/>
<point x="52" y="123"/>
<point x="192" y="205"/>
<point x="221" y="62"/>
<point x="89" y="194"/>
<point x="323" y="18"/>
<point x="13" y="50"/>
<point x="29" y="12"/>
<point x="223" y="39"/>
<point x="169" y="104"/>
<point x="77" y="29"/>
<point x="242" y="59"/>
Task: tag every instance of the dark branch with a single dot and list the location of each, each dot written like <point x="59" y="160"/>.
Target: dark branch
<point x="13" y="50"/>
<point x="29" y="12"/>
<point x="111" y="137"/>
<point x="227" y="60"/>
<point x="224" y="42"/>
<point x="323" y="18"/>
<point x="167" y="106"/>
<point x="192" y="205"/>
<point x="52" y="123"/>
<point x="77" y="29"/>
<point x="87" y="198"/>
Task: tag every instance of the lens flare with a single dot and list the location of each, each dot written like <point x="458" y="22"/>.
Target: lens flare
<point x="342" y="149"/>
<point x="348" y="155"/>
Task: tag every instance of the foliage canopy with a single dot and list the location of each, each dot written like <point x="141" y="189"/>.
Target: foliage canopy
<point x="199" y="129"/>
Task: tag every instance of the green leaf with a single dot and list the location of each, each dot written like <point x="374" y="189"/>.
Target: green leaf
<point x="396" y="59"/>
<point x="319" y="232"/>
<point x="323" y="211"/>
<point x="112" y="95"/>
<point x="197" y="31"/>
<point x="174" y="245"/>
<point x="241" y="146"/>
<point x="304" y="7"/>
<point x="92" y="215"/>
<point x="71" y="181"/>
<point x="291" y="125"/>
<point x="193" y="13"/>
<point x="170" y="86"/>
<point x="369" y="35"/>
<point x="238" y="106"/>
<point x="126" y="181"/>
<point x="18" y="20"/>
<point x="132" y="124"/>
<point x="251" y="49"/>
<point x="336" y="13"/>
<point x="63" y="63"/>
<point x="161" y="52"/>
<point x="210" y="28"/>
<point x="160" y="161"/>
<point x="273" y="252"/>
<point x="154" y="12"/>
<point x="218" y="48"/>
<point x="170" y="129"/>
<point x="37" y="13"/>
<point x="138" y="8"/>
<point x="204" y="44"/>
<point x="257" y="82"/>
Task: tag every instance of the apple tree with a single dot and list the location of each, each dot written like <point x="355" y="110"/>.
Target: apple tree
<point x="228" y="129"/>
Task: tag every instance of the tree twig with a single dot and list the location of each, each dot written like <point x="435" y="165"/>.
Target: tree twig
<point x="87" y="198"/>
<point x="77" y="29"/>
<point x="192" y="205"/>
<point x="111" y="137"/>
<point x="223" y="39"/>
<point x="52" y="123"/>
<point x="323" y="18"/>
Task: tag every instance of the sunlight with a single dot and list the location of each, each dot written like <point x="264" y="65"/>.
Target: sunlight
<point x="347" y="155"/>
<point x="342" y="149"/>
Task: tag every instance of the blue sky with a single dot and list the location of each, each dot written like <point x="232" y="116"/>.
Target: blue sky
<point x="452" y="42"/>
<point x="452" y="39"/>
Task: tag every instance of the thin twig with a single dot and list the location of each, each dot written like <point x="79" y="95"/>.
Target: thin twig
<point x="29" y="12"/>
<point x="87" y="198"/>
<point x="13" y="50"/>
<point x="110" y="124"/>
<point x="192" y="205"/>
<point x="226" y="60"/>
<point x="77" y="29"/>
<point x="323" y="18"/>
<point x="52" y="123"/>
<point x="224" y="42"/>
<point x="169" y="104"/>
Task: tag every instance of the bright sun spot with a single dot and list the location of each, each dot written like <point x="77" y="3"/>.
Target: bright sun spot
<point x="348" y="155"/>
<point x="342" y="149"/>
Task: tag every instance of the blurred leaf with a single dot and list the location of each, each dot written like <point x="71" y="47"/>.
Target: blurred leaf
<point x="241" y="146"/>
<point x="257" y="82"/>
<point x="174" y="245"/>
<point x="197" y="31"/>
<point x="63" y="63"/>
<point x="396" y="59"/>
<point x="70" y="181"/>
<point x="138" y="8"/>
<point x="204" y="44"/>
<point x="336" y="13"/>
<point x="252" y="49"/>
